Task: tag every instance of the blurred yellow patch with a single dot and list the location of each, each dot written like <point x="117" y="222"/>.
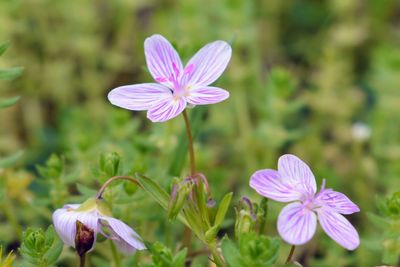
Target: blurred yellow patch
<point x="8" y="261"/>
<point x="17" y="184"/>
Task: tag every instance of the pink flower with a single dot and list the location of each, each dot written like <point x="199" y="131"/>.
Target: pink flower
<point x="95" y="217"/>
<point x="176" y="85"/>
<point x="294" y="182"/>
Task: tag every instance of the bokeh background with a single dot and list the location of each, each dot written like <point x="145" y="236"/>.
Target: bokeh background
<point x="319" y="79"/>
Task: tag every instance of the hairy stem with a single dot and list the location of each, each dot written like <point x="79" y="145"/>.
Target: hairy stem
<point x="289" y="258"/>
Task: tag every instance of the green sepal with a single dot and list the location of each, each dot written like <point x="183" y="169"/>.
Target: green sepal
<point x="222" y="209"/>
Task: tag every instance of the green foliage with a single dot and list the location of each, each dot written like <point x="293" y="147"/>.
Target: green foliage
<point x="109" y="164"/>
<point x="302" y="75"/>
<point x="10" y="160"/>
<point x="41" y="248"/>
<point x="162" y="256"/>
<point x="388" y="223"/>
<point x="11" y="73"/>
<point x="253" y="250"/>
<point x="5" y="103"/>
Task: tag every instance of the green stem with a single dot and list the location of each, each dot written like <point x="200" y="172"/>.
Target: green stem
<point x="190" y="144"/>
<point x="217" y="257"/>
<point x="187" y="233"/>
<point x="82" y="260"/>
<point x="289" y="258"/>
<point x="109" y="181"/>
<point x="263" y="219"/>
<point x="115" y="254"/>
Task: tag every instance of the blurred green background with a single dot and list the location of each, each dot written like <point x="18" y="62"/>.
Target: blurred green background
<point x="319" y="79"/>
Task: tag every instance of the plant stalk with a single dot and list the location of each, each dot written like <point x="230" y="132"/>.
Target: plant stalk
<point x="82" y="259"/>
<point x="109" y="181"/>
<point x="187" y="233"/>
<point x="115" y="255"/>
<point x="289" y="258"/>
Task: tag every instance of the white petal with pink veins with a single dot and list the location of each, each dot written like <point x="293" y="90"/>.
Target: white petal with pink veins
<point x="139" y="96"/>
<point x="162" y="59"/>
<point x="206" y="95"/>
<point x="297" y="173"/>
<point x="166" y="109"/>
<point x="296" y="224"/>
<point x="268" y="183"/>
<point x="127" y="240"/>
<point x="337" y="227"/>
<point x="209" y="63"/>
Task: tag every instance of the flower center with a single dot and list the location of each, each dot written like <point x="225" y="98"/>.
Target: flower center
<point x="177" y="81"/>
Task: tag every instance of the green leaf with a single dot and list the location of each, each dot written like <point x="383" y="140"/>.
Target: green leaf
<point x="231" y="253"/>
<point x="41" y="248"/>
<point x="54" y="244"/>
<point x="10" y="74"/>
<point x="211" y="233"/>
<point x="180" y="257"/>
<point x="10" y="160"/>
<point x="157" y="193"/>
<point x="378" y="221"/>
<point x="3" y="47"/>
<point x="5" y="103"/>
<point x="222" y="209"/>
<point x="253" y="250"/>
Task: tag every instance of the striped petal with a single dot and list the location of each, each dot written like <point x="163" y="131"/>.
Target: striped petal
<point x="297" y="173"/>
<point x="209" y="63"/>
<point x="166" y="109"/>
<point x="162" y="59"/>
<point x="64" y="221"/>
<point x="127" y="240"/>
<point x="268" y="183"/>
<point x="207" y="95"/>
<point x="336" y="201"/>
<point x="337" y="227"/>
<point x="138" y="96"/>
<point x="296" y="224"/>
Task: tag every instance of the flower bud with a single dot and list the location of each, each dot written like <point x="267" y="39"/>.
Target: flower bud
<point x="84" y="238"/>
<point x="109" y="163"/>
<point x="179" y="196"/>
<point x="244" y="222"/>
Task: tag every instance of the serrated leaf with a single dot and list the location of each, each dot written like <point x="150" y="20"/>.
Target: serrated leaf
<point x="10" y="160"/>
<point x="3" y="47"/>
<point x="222" y="209"/>
<point x="10" y="74"/>
<point x="5" y="103"/>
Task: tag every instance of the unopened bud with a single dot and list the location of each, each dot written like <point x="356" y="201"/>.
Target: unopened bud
<point x="178" y="198"/>
<point x="109" y="163"/>
<point x="244" y="222"/>
<point x="84" y="238"/>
